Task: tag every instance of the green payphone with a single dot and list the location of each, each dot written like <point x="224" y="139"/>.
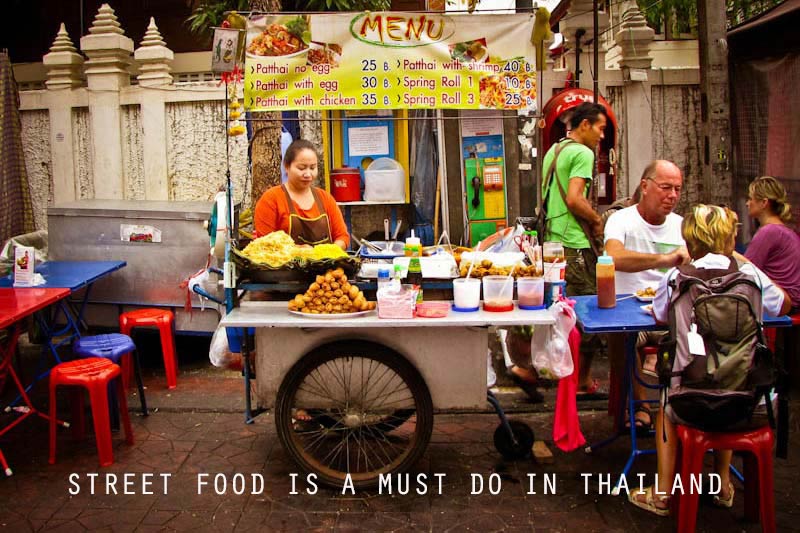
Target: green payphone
<point x="484" y="177"/>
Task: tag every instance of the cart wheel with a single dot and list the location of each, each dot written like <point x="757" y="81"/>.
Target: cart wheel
<point x="354" y="407"/>
<point x="505" y="444"/>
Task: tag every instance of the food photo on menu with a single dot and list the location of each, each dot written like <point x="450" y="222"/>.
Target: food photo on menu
<point x="324" y="54"/>
<point x="287" y="36"/>
<point x="470" y="51"/>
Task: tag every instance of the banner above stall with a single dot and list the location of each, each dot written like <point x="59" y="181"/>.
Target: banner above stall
<point x="389" y="60"/>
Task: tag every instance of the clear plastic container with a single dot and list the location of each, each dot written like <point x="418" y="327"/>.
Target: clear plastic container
<point x="552" y="251"/>
<point x="398" y="303"/>
<point x="466" y="294"/>
<point x="530" y="293"/>
<point x="498" y="293"/>
<point x="432" y="309"/>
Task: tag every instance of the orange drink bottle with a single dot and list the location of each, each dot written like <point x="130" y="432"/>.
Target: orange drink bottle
<point x="606" y="290"/>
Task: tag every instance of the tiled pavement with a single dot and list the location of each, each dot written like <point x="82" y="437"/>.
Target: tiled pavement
<point x="199" y="428"/>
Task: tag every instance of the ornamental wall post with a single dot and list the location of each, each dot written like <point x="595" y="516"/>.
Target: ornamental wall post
<point x="108" y="50"/>
<point x="154" y="60"/>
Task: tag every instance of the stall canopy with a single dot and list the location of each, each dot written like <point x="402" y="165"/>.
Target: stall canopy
<point x="765" y="114"/>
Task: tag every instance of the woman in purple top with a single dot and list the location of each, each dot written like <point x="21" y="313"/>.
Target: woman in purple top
<point x="775" y="248"/>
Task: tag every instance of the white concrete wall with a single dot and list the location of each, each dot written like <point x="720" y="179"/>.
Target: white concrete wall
<point x="174" y="151"/>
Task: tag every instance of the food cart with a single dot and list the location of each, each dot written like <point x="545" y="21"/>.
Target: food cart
<point x="354" y="396"/>
<point x="368" y="386"/>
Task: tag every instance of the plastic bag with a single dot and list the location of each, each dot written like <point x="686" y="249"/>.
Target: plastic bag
<point x="37" y="240"/>
<point x="550" y="351"/>
<point x="220" y="354"/>
<point x="501" y="241"/>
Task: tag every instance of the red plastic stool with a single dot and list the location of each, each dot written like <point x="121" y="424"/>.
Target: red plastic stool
<point x="94" y="374"/>
<point x="758" y="490"/>
<point x="162" y="319"/>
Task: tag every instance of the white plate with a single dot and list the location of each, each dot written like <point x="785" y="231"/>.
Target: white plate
<point x="331" y="315"/>
<point x="647" y="309"/>
<point x="645" y="298"/>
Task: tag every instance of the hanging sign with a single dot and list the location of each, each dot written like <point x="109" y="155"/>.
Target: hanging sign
<point x="223" y="50"/>
<point x="389" y="60"/>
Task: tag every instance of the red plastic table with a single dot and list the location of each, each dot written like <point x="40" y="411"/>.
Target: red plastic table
<point x="16" y="304"/>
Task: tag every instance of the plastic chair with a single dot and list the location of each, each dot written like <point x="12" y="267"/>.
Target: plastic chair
<point x="162" y="319"/>
<point x="94" y="374"/>
<point x="758" y="493"/>
<point x="118" y="348"/>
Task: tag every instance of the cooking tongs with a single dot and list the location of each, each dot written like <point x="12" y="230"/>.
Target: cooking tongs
<point x="364" y="242"/>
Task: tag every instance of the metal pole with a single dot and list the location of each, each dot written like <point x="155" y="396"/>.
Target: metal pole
<point x="596" y="46"/>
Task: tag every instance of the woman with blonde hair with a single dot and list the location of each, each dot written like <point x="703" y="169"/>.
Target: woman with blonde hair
<point x="775" y="248"/>
<point x="710" y="235"/>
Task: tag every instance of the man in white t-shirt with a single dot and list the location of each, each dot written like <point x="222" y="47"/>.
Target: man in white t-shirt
<point x="645" y="241"/>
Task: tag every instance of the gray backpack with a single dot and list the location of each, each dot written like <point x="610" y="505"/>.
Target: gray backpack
<point x="723" y="387"/>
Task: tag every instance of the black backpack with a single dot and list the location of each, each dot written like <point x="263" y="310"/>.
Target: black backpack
<point x="722" y="388"/>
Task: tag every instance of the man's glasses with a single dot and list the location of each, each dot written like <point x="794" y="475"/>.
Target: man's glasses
<point x="666" y="187"/>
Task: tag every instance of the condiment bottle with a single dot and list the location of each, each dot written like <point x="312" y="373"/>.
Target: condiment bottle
<point x="415" y="276"/>
<point x="413" y="247"/>
<point x="606" y="289"/>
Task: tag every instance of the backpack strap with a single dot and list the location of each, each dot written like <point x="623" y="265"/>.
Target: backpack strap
<point x="596" y="248"/>
<point x="551" y="171"/>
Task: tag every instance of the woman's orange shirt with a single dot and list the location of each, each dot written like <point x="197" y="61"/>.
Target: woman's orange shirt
<point x="272" y="214"/>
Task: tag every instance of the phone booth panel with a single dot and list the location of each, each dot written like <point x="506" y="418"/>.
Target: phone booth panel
<point x="483" y="160"/>
<point x="554" y="129"/>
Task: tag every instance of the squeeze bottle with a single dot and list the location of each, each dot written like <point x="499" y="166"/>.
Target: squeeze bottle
<point x="606" y="290"/>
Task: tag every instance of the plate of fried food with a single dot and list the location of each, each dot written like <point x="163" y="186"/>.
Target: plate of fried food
<point x="331" y="296"/>
<point x="646" y="295"/>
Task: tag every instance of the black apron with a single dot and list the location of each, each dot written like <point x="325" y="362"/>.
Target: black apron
<point x="311" y="231"/>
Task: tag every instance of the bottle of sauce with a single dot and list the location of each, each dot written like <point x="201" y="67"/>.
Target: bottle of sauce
<point x="606" y="289"/>
<point x="415" y="276"/>
<point x="413" y="247"/>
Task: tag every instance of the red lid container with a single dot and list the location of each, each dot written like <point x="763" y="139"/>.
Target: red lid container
<point x="346" y="184"/>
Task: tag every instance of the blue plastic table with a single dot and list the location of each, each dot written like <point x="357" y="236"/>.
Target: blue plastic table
<point x="72" y="275"/>
<point x="629" y="318"/>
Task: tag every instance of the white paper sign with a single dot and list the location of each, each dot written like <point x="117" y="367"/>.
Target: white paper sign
<point x="368" y="141"/>
<point x="24" y="263"/>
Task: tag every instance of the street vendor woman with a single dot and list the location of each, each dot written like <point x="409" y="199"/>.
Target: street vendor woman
<point x="307" y="213"/>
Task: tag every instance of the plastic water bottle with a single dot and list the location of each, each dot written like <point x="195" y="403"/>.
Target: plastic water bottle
<point x="383" y="277"/>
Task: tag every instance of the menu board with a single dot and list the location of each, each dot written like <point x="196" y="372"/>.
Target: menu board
<point x="389" y="60"/>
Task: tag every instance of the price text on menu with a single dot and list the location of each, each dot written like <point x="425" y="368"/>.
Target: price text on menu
<point x="389" y="60"/>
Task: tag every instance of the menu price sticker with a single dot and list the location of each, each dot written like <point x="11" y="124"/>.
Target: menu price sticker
<point x="392" y="61"/>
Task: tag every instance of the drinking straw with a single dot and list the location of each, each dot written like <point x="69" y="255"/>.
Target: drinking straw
<point x="509" y="278"/>
<point x="553" y="264"/>
<point x="471" y="265"/>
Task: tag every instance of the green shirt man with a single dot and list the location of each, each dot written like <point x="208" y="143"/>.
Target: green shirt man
<point x="574" y="172"/>
<point x="575" y="160"/>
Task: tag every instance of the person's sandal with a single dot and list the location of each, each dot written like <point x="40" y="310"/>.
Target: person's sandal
<point x="728" y="502"/>
<point x="649" y="503"/>
<point x="642" y="426"/>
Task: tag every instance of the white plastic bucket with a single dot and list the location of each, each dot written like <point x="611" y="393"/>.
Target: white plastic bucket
<point x="555" y="271"/>
<point x="467" y="293"/>
<point x="385" y="181"/>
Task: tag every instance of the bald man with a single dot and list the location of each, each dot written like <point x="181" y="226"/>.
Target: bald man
<point x="645" y="241"/>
